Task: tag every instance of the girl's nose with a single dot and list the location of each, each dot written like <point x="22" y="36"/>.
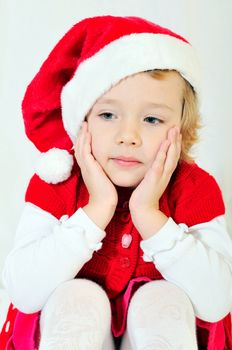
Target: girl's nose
<point x="128" y="135"/>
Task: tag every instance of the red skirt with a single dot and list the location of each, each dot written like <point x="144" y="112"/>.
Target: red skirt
<point x="21" y="331"/>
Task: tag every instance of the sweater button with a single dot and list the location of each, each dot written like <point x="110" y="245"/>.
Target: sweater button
<point x="125" y="204"/>
<point x="125" y="217"/>
<point x="126" y="240"/>
<point x="124" y="261"/>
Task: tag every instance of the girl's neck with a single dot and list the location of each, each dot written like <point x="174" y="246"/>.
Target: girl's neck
<point x="124" y="194"/>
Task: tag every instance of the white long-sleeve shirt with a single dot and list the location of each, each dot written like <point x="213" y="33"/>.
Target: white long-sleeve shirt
<point x="48" y="251"/>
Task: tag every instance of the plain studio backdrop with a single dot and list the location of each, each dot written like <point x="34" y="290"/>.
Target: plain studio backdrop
<point x="30" y="29"/>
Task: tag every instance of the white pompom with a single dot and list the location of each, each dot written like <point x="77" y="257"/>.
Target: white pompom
<point x="54" y="166"/>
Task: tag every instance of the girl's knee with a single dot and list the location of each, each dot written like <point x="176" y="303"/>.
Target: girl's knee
<point x="78" y="313"/>
<point x="79" y="296"/>
<point x="160" y="315"/>
<point x="80" y="289"/>
<point x="159" y="290"/>
<point x="161" y="298"/>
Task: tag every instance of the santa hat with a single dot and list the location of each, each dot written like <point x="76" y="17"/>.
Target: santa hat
<point x="94" y="55"/>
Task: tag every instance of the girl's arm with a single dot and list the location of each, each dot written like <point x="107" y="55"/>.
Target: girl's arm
<point x="47" y="252"/>
<point x="199" y="260"/>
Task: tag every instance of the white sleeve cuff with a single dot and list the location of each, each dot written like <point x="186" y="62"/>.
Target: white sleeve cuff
<point x="93" y="233"/>
<point x="164" y="240"/>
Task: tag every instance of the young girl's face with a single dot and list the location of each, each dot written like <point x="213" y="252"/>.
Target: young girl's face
<point x="131" y="120"/>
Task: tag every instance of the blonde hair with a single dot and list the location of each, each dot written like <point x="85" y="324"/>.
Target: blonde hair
<point x="190" y="122"/>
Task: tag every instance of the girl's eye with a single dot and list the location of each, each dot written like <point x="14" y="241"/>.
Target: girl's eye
<point x="106" y="115"/>
<point x="153" y="120"/>
<point x="150" y="119"/>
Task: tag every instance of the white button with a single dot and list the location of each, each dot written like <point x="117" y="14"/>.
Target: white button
<point x="126" y="240"/>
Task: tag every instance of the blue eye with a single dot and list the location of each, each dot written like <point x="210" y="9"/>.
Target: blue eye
<point x="153" y="120"/>
<point x="106" y="115"/>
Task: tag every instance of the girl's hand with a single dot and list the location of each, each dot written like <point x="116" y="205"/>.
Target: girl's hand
<point x="147" y="194"/>
<point x="101" y="190"/>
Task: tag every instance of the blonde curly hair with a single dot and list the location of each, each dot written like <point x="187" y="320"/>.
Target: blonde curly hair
<point x="190" y="122"/>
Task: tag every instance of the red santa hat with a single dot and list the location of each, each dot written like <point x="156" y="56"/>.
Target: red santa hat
<point x="94" y="55"/>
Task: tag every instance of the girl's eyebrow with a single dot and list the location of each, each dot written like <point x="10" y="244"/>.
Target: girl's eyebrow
<point x="146" y="103"/>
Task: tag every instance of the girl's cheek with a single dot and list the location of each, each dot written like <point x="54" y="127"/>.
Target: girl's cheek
<point x="95" y="148"/>
<point x="156" y="147"/>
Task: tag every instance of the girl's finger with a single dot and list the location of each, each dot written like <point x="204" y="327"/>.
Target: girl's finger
<point x="173" y="153"/>
<point x="79" y="143"/>
<point x="86" y="142"/>
<point x="160" y="159"/>
<point x="87" y="152"/>
<point x="86" y="159"/>
<point x="173" y="134"/>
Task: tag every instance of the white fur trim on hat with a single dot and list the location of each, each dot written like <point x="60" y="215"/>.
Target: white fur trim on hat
<point x="54" y="166"/>
<point x="125" y="56"/>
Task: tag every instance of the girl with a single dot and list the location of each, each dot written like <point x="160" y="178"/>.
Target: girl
<point x="123" y="237"/>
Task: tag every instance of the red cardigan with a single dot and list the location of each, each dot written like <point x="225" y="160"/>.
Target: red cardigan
<point x="192" y="197"/>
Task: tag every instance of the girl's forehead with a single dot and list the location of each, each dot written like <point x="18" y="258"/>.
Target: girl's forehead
<point x="145" y="78"/>
<point x="144" y="86"/>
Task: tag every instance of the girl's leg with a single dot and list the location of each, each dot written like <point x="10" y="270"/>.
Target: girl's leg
<point x="77" y="315"/>
<point x="160" y="317"/>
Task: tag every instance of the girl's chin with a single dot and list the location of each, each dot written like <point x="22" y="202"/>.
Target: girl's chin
<point x="123" y="182"/>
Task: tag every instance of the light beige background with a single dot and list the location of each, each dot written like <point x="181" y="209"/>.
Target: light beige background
<point x="30" y="28"/>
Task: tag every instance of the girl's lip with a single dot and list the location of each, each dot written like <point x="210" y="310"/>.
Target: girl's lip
<point x="127" y="159"/>
<point x="126" y="163"/>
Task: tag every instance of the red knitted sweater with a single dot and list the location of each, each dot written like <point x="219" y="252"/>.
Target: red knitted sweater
<point x="192" y="197"/>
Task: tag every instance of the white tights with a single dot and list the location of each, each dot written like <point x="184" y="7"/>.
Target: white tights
<point x="160" y="317"/>
<point x="77" y="316"/>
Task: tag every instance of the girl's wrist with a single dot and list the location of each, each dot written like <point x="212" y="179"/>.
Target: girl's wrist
<point x="100" y="214"/>
<point x="148" y="222"/>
